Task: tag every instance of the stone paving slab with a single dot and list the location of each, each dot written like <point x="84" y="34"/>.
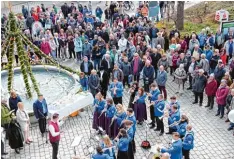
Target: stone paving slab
<point x="212" y="140"/>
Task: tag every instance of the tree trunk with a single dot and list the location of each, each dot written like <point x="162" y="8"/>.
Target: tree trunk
<point x="180" y="15"/>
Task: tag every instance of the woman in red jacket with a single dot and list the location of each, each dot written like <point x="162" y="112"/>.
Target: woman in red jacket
<point x="221" y="96"/>
<point x="45" y="48"/>
<point x="210" y="89"/>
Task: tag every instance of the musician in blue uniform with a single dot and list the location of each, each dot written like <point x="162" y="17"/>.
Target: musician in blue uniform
<point x="140" y="106"/>
<point x="122" y="143"/>
<point x="108" y="147"/>
<point x="116" y="89"/>
<point x="181" y="127"/>
<point x="99" y="104"/>
<point x="131" y="117"/>
<point x="173" y="102"/>
<point x="174" y="116"/>
<point x="100" y="154"/>
<point x="118" y="119"/>
<point x="110" y="112"/>
<point x="188" y="142"/>
<point x="153" y="96"/>
<point x="159" y="106"/>
<point x="130" y="131"/>
<point x="175" y="150"/>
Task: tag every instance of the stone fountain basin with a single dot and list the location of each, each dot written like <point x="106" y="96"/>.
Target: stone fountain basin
<point x="58" y="86"/>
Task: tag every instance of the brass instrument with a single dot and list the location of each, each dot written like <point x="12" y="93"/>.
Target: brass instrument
<point x="135" y="99"/>
<point x="174" y="124"/>
<point x="103" y="111"/>
<point x="114" y="91"/>
<point x="112" y="120"/>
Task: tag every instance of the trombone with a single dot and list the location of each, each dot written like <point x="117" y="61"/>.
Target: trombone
<point x="174" y="124"/>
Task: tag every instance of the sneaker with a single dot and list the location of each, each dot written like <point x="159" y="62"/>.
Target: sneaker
<point x="217" y="114"/>
<point x="230" y="128"/>
<point x="207" y="106"/>
<point x="221" y="117"/>
<point x="152" y="126"/>
<point x="195" y="102"/>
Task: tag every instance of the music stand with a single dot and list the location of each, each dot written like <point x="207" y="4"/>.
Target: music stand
<point x="76" y="143"/>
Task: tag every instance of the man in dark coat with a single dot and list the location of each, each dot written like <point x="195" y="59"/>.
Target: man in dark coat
<point x="13" y="101"/>
<point x="199" y="83"/>
<point x="155" y="56"/>
<point x="86" y="66"/>
<point x="40" y="110"/>
<point x="106" y="63"/>
<point x="94" y="83"/>
<point x="65" y="10"/>
<point x="148" y="75"/>
<point x="104" y="80"/>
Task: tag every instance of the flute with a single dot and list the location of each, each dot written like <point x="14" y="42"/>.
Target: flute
<point x="112" y="120"/>
<point x="135" y="99"/>
<point x="103" y="111"/>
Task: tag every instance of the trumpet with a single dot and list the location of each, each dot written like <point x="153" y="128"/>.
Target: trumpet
<point x="135" y="99"/>
<point x="174" y="124"/>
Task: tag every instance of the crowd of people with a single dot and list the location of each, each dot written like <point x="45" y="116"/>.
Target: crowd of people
<point x="117" y="52"/>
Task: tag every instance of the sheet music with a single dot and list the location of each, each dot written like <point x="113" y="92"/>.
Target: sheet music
<point x="76" y="141"/>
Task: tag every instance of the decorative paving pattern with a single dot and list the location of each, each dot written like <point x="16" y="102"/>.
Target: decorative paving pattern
<point x="212" y="140"/>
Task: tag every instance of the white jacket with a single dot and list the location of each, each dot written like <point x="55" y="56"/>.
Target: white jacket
<point x="23" y="119"/>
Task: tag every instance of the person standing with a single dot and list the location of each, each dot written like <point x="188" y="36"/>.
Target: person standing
<point x="24" y="122"/>
<point x="40" y="110"/>
<point x="159" y="106"/>
<point x="175" y="150"/>
<point x="86" y="66"/>
<point x="137" y="66"/>
<point x="54" y="134"/>
<point x="14" y="100"/>
<point x="199" y="83"/>
<point x="104" y="80"/>
<point x="6" y="115"/>
<point x="123" y="144"/>
<point x="161" y="81"/>
<point x="148" y="75"/>
<point x="110" y="111"/>
<point x="140" y="106"/>
<point x="116" y="89"/>
<point x="188" y="142"/>
<point x="210" y="89"/>
<point x="87" y="49"/>
<point x="174" y="116"/>
<point x="229" y="47"/>
<point x="94" y="83"/>
<point x="117" y="73"/>
<point x="125" y="66"/>
<point x="221" y="95"/>
<point x="180" y="77"/>
<point x="78" y="46"/>
<point x="153" y="96"/>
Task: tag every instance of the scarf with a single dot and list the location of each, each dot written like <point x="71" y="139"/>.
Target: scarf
<point x="135" y="66"/>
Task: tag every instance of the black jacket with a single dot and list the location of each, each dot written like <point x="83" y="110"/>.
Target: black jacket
<point x="90" y="67"/>
<point x="15" y="135"/>
<point x="105" y="79"/>
<point x="155" y="58"/>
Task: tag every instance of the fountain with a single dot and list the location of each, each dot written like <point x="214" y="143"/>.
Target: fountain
<point x="59" y="87"/>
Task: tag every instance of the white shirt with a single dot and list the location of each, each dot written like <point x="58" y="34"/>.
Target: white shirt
<point x="101" y="74"/>
<point x="52" y="130"/>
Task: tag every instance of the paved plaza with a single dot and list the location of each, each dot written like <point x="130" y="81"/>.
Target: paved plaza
<point x="212" y="140"/>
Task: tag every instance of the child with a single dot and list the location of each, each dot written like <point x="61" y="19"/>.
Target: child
<point x="83" y="81"/>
